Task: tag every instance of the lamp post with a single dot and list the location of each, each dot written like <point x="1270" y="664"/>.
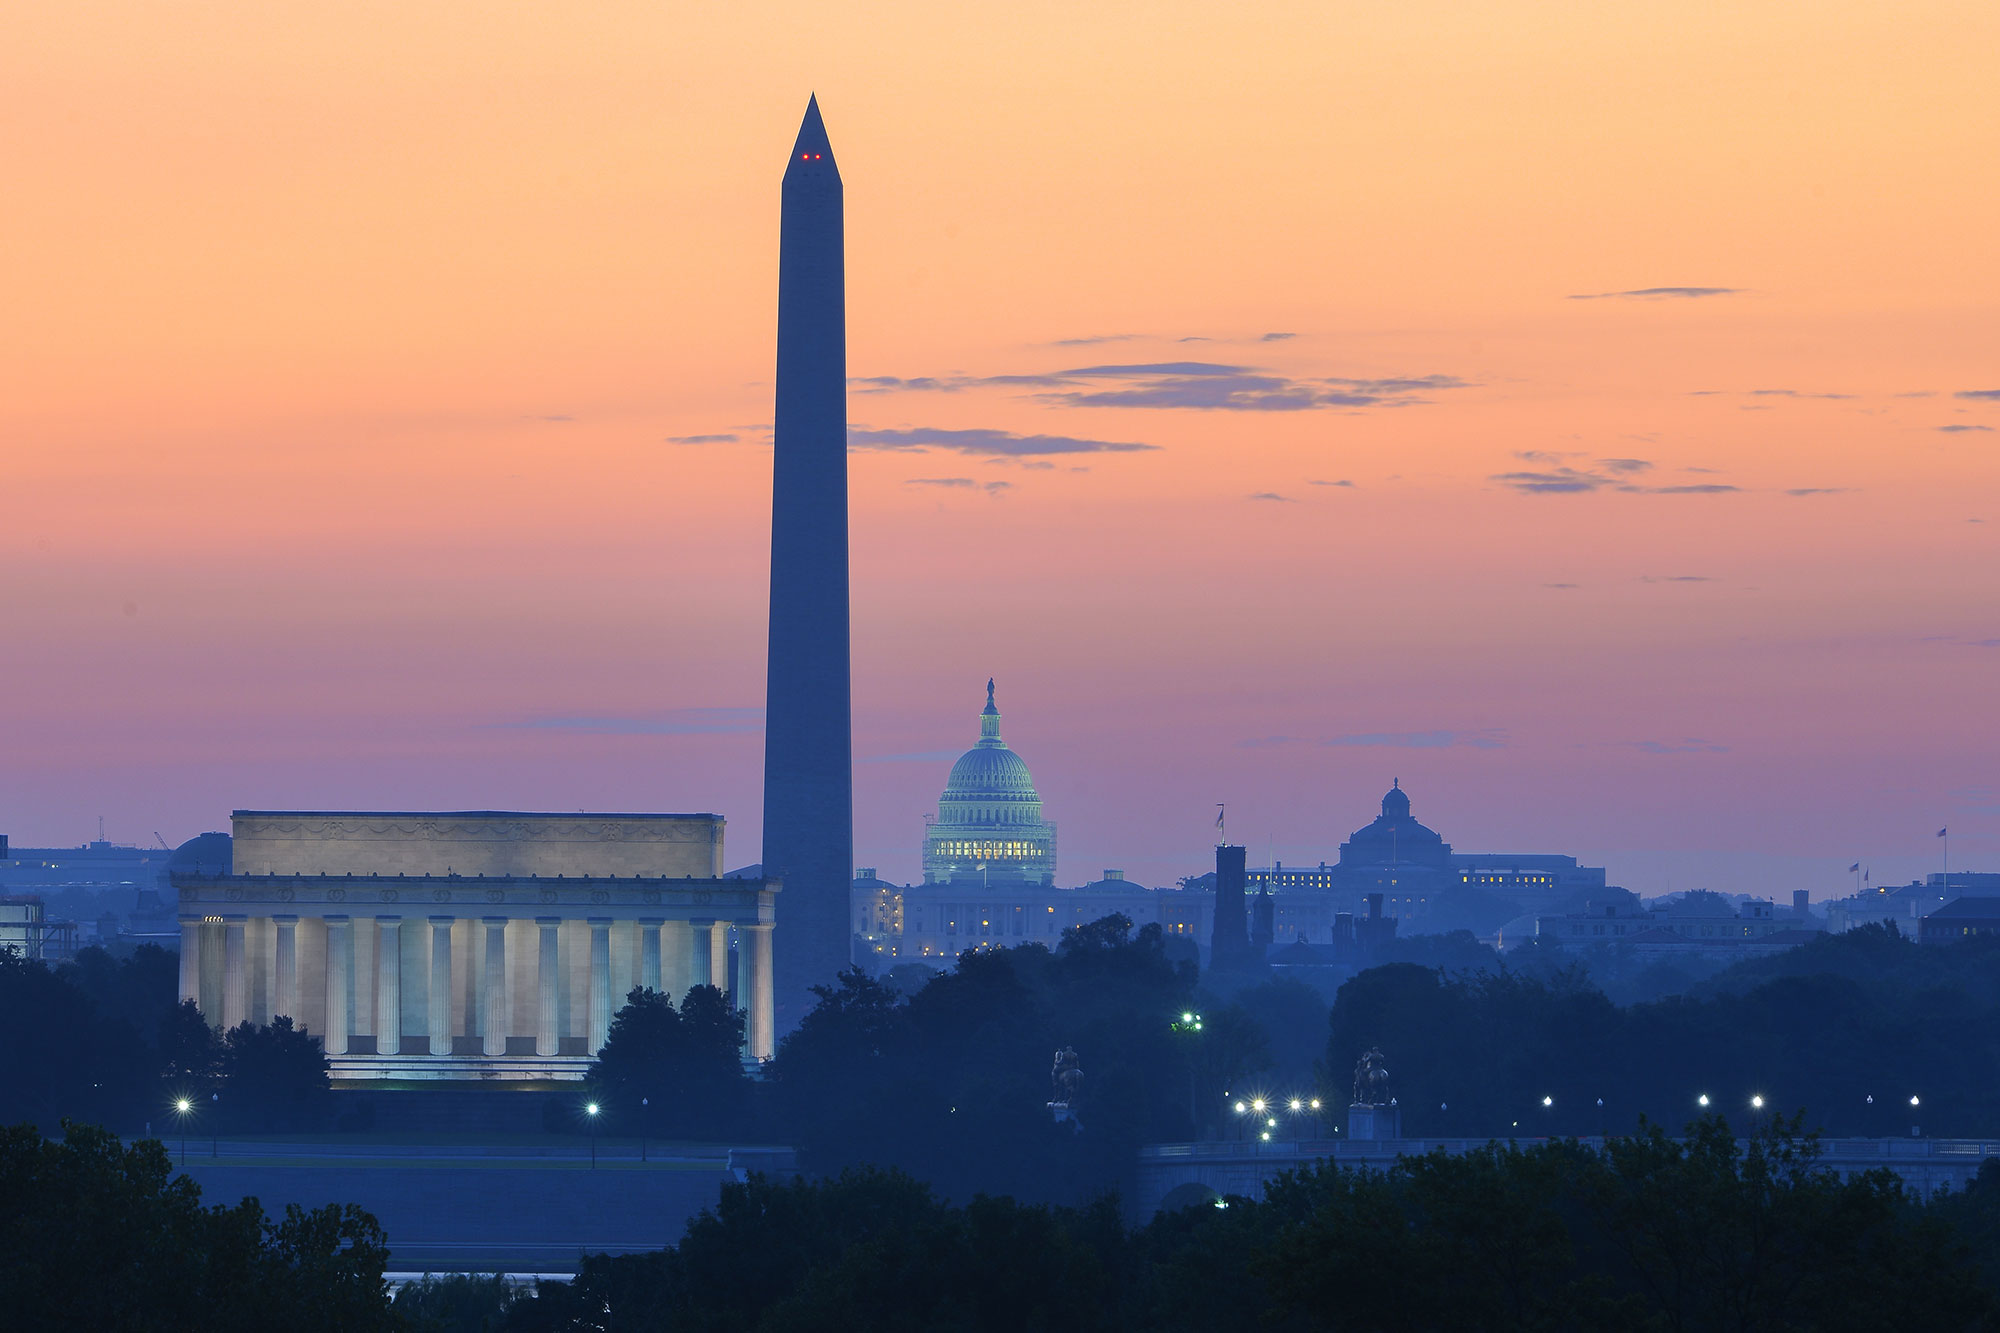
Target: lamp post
<point x="1188" y="1025"/>
<point x="1602" y="1132"/>
<point x="644" y="1102"/>
<point x="183" y="1108"/>
<point x="1915" y="1102"/>
<point x="215" y="1128"/>
<point x="590" y="1111"/>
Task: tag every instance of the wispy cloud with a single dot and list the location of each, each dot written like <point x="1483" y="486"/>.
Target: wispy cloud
<point x="1342" y="482"/>
<point x="1691" y="745"/>
<point x="1795" y="393"/>
<point x="553" y="417"/>
<point x="1562" y="585"/>
<point x="1484" y="738"/>
<point x="1979" y="395"/>
<point x="1556" y="477"/>
<point x="1817" y="490"/>
<point x="1198" y="385"/>
<point x="995" y="442"/>
<point x="1095" y="339"/>
<point x="959" y="482"/>
<point x="1276" y="337"/>
<point x="1657" y="294"/>
<point x="1958" y="429"/>
<point x="671" y="722"/>
<point x="702" y="439"/>
<point x="1273" y="495"/>
<point x="1676" y="578"/>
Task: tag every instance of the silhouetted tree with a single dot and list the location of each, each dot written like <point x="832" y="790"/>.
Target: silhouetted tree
<point x="273" y="1077"/>
<point x="97" y="1235"/>
<point x="673" y="1073"/>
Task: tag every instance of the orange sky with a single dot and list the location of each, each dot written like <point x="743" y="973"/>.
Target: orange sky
<point x="344" y="348"/>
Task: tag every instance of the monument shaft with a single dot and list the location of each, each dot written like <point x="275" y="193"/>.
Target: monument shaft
<point x="808" y="747"/>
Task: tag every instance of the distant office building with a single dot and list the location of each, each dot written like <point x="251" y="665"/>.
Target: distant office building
<point x="1906" y="905"/>
<point x="485" y="945"/>
<point x="989" y="829"/>
<point x="1698" y="924"/>
<point x="938" y="922"/>
<point x="1961" y="918"/>
<point x="26" y="931"/>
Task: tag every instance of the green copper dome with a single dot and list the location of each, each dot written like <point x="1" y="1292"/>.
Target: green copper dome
<point x="989" y="826"/>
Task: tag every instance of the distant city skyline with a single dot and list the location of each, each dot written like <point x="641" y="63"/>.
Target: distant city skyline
<point x="1277" y="405"/>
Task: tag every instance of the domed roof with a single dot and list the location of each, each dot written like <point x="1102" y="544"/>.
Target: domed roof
<point x="989" y="770"/>
<point x="1396" y="802"/>
<point x="207" y="854"/>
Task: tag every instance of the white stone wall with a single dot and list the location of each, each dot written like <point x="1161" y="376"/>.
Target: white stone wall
<point x="475" y="843"/>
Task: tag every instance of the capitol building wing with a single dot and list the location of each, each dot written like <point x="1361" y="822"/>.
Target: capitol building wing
<point x="469" y="945"/>
<point x="989" y="828"/>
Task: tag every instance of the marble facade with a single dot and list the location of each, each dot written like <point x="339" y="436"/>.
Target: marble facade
<point x="470" y="945"/>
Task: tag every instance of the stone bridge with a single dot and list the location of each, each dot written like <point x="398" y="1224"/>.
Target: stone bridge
<point x="1175" y="1175"/>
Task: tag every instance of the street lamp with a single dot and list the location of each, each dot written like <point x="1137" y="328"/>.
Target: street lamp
<point x="1915" y="1101"/>
<point x="644" y="1102"/>
<point x="1189" y="1026"/>
<point x="215" y="1143"/>
<point x="183" y="1108"/>
<point x="1702" y="1101"/>
<point x="591" y="1110"/>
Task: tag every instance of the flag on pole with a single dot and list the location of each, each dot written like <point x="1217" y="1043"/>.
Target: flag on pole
<point x="1943" y="831"/>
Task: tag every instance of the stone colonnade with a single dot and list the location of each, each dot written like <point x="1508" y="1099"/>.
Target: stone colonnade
<point x="516" y="991"/>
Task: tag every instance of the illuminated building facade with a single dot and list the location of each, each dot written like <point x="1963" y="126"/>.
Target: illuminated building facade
<point x="989" y="829"/>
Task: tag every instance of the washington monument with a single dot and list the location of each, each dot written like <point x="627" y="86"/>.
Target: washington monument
<point x="808" y="745"/>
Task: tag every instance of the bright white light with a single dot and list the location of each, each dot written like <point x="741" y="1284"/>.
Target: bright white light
<point x="184" y="1106"/>
<point x="1701" y="1100"/>
<point x="1273" y="1123"/>
<point x="1266" y="1136"/>
<point x="1548" y="1101"/>
<point x="1296" y="1103"/>
<point x="1187" y="1018"/>
<point x="1315" y="1103"/>
<point x="1241" y="1108"/>
<point x="1913" y="1101"/>
<point x="1258" y="1104"/>
<point x="592" y="1108"/>
<point x="1756" y="1103"/>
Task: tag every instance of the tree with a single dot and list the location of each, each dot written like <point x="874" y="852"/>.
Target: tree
<point x="671" y="1072"/>
<point x="190" y="1051"/>
<point x="274" y="1077"/>
<point x="95" y="1234"/>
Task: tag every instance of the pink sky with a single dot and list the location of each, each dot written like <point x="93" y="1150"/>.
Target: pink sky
<point x="346" y="350"/>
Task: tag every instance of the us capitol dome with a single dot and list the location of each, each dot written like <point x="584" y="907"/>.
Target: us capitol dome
<point x="989" y="828"/>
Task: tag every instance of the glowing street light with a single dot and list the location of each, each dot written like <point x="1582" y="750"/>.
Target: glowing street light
<point x="184" y="1107"/>
<point x="1548" y="1101"/>
<point x="591" y="1109"/>
<point x="1701" y="1100"/>
<point x="1757" y="1102"/>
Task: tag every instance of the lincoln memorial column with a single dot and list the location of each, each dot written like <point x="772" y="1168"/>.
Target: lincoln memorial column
<point x="700" y="954"/>
<point x="756" y="964"/>
<point x="191" y="959"/>
<point x="600" y="983"/>
<point x="285" y="978"/>
<point x="439" y="990"/>
<point x="718" y="957"/>
<point x="339" y="982"/>
<point x="389" y="985"/>
<point x="235" y="983"/>
<point x="649" y="952"/>
<point x="676" y="959"/>
<point x="547" y="1038"/>
<point x="495" y="988"/>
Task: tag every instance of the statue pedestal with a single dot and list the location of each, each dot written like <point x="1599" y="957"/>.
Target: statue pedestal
<point x="1371" y="1124"/>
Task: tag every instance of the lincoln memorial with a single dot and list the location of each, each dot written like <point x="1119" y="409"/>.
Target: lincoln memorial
<point x="468" y="945"/>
